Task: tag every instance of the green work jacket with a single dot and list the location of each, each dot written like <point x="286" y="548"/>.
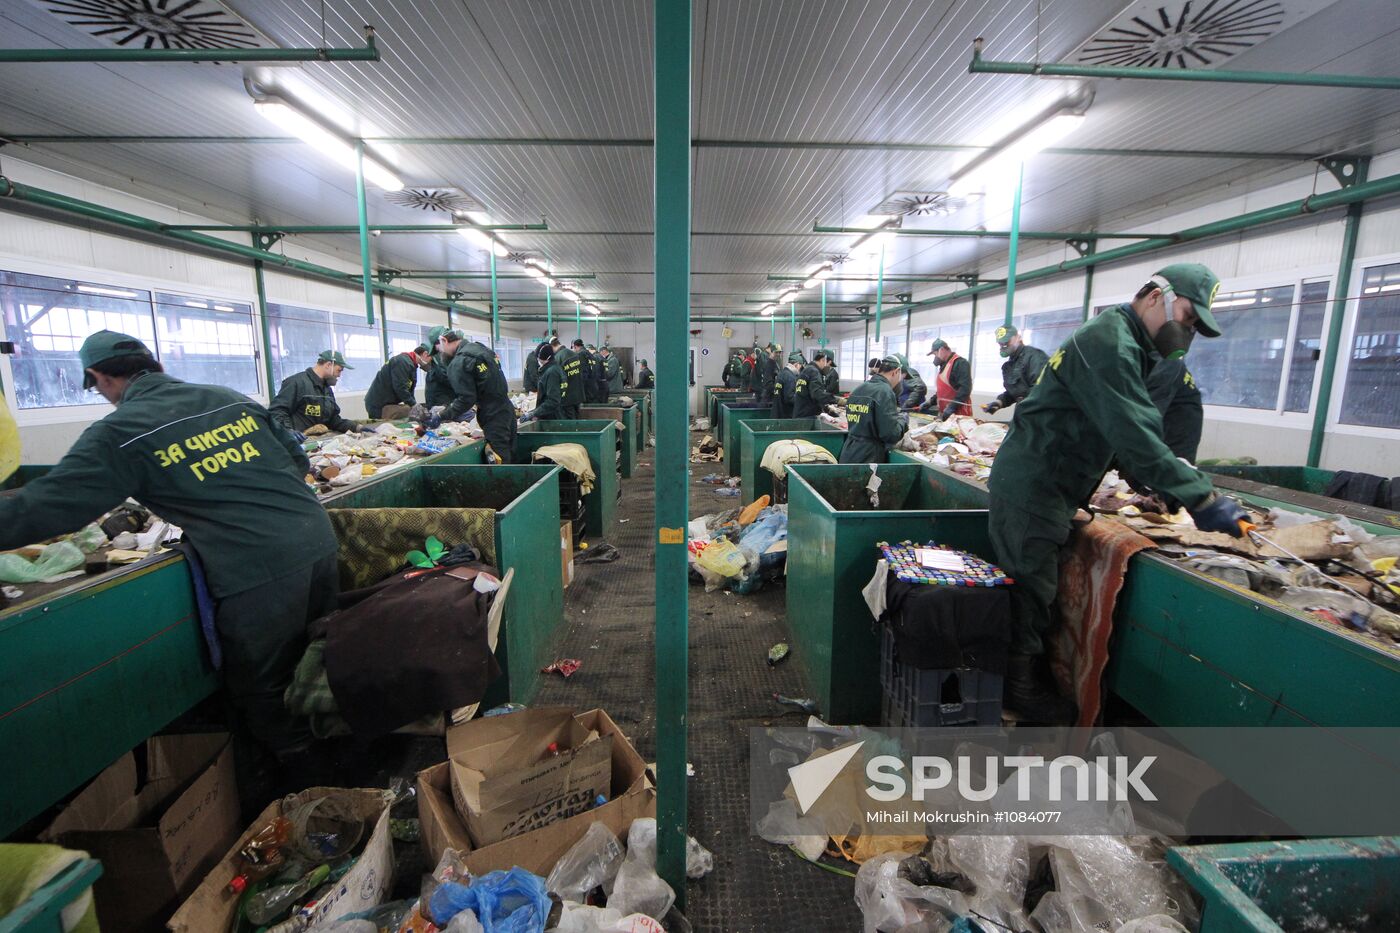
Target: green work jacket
<point x="1173" y="390"/>
<point x="393" y="384"/>
<point x="784" y="393"/>
<point x="437" y="388"/>
<point x="477" y="381"/>
<point x="204" y="458"/>
<point x="1019" y="374"/>
<point x="875" y="422"/>
<point x="573" y="365"/>
<point x="549" y="389"/>
<point x="913" y="390"/>
<point x="305" y="400"/>
<point x="1090" y="405"/>
<point x="612" y="373"/>
<point x="812" y="394"/>
<point x="833" y="380"/>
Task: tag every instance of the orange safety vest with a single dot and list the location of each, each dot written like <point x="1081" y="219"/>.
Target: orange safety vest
<point x="945" y="392"/>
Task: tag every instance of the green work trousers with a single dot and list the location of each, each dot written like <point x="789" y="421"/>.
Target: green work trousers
<point x="498" y="423"/>
<point x="1028" y="549"/>
<point x="263" y="634"/>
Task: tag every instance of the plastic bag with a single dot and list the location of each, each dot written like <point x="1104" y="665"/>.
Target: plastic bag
<point x="888" y="902"/>
<point x="464" y="922"/>
<point x="638" y="889"/>
<point x="590" y="862"/>
<point x="782" y="826"/>
<point x="1157" y="923"/>
<point x="504" y="901"/>
<point x="580" y="918"/>
<point x="89" y="538"/>
<point x="721" y="557"/>
<point x="699" y="861"/>
<point x="60" y="558"/>
<point x="1104" y="881"/>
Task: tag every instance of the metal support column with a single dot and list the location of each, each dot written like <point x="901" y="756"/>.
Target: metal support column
<point x="266" y="326"/>
<point x="671" y="64"/>
<point x="792" y="327"/>
<point x="578" y="320"/>
<point x="548" y="313"/>
<point x="495" y="305"/>
<point x="1089" y="283"/>
<point x="384" y="326"/>
<point x="1323" y="405"/>
<point x="597" y="328"/>
<point x="823" y="340"/>
<point x="971" y="342"/>
<point x="364" y="228"/>
<point x="1015" y="247"/>
<point x="880" y="291"/>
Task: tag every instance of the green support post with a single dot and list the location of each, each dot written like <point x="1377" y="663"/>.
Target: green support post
<point x="1334" y="331"/>
<point x="578" y="320"/>
<point x="597" y="328"/>
<point x="971" y="338"/>
<point x="364" y="228"/>
<point x="495" y="305"/>
<point x="1089" y="282"/>
<point x="1015" y="246"/>
<point x="792" y="327"/>
<point x="265" y="324"/>
<point x="823" y="342"/>
<point x="671" y="63"/>
<point x="879" y="291"/>
<point x="384" y="326"/>
<point x="548" y="313"/>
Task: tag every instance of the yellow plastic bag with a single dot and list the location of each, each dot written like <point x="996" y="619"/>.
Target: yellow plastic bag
<point x="9" y="442"/>
<point x="722" y="557"/>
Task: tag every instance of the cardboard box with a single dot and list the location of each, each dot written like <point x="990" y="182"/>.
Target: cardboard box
<point x="212" y="908"/>
<point x="630" y="797"/>
<point x="566" y="551"/>
<point x="504" y="781"/>
<point x="157" y="839"/>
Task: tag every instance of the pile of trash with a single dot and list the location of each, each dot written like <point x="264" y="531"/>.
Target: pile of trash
<point x="125" y="535"/>
<point x="961" y="443"/>
<point x="740" y="548"/>
<point x="340" y="460"/>
<point x="707" y="451"/>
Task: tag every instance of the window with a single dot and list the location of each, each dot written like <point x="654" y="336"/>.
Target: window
<point x="1307" y="345"/>
<point x="853" y="358"/>
<point x="1047" y="330"/>
<point x="508" y="352"/>
<point x="1372" y="392"/>
<point x="404" y="338"/>
<point x="208" y="341"/>
<point x="299" y="335"/>
<point x="48" y="319"/>
<point x="1243" y="367"/>
<point x="362" y="347"/>
<point x="896" y="344"/>
<point x="986" y="363"/>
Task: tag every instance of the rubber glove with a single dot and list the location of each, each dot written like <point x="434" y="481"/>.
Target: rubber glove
<point x="1220" y="513"/>
<point x="992" y="407"/>
<point x="432" y="422"/>
<point x="946" y="413"/>
<point x="298" y="437"/>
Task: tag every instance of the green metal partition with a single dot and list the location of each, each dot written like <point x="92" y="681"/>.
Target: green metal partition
<point x="526" y="502"/>
<point x="733" y="414"/>
<point x="832" y="535"/>
<point x="721" y="394"/>
<point x="642" y="399"/>
<point x="599" y="438"/>
<point x="631" y="420"/>
<point x="757" y="435"/>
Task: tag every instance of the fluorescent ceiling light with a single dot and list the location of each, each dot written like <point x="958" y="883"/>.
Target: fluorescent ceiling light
<point x="501" y="250"/>
<point x="548" y="282"/>
<point x="328" y="143"/>
<point x="534" y="272"/>
<point x="1016" y="146"/>
<point x="113" y="292"/>
<point x="570" y="294"/>
<point x="592" y="307"/>
<point x="478" y="236"/>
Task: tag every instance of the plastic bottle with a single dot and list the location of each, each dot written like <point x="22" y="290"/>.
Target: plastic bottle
<point x="262" y="854"/>
<point x="266" y="906"/>
<point x="324" y="829"/>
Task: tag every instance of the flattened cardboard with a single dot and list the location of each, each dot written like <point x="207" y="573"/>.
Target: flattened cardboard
<point x="566" y="552"/>
<point x="155" y="842"/>
<point x="630" y="797"/>
<point x="504" y="783"/>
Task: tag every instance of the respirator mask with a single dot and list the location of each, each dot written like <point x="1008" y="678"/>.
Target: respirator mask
<point x="1173" y="339"/>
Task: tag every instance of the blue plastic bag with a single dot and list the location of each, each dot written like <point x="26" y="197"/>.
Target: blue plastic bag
<point x="512" y="901"/>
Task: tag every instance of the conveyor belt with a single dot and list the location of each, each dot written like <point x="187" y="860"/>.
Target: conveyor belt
<point x="1309" y="502"/>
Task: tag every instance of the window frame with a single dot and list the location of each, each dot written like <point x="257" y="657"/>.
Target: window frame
<point x="1334" y="424"/>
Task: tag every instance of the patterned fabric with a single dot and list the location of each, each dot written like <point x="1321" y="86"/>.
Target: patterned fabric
<point x="1091" y="576"/>
<point x="374" y="541"/>
<point x="904" y="563"/>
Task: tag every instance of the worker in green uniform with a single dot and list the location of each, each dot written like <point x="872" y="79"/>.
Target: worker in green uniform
<point x="1091" y="405"/>
<point x="549" y="388"/>
<point x="912" y="391"/>
<point x="768" y="372"/>
<point x="645" y="378"/>
<point x="437" y="388"/>
<point x="733" y="373"/>
<point x="478" y="382"/>
<point x="812" y="394"/>
<point x="396" y="381"/>
<point x="1020" y="371"/>
<point x="573" y="363"/>
<point x="612" y="371"/>
<point x="1174" y="393"/>
<point x="872" y="411"/>
<point x="785" y="385"/>
<point x="306" y="398"/>
<point x="214" y="463"/>
<point x="594" y="386"/>
<point x="831" y="374"/>
<point x="531" y="370"/>
<point x="753" y="379"/>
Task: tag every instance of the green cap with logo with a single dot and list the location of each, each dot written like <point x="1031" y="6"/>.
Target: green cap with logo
<point x="796" y="357"/>
<point x="1004" y="334"/>
<point x="939" y="344"/>
<point x="331" y="356"/>
<point x="1198" y="285"/>
<point x="106" y="345"/>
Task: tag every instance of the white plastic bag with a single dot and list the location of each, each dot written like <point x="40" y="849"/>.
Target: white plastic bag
<point x="638" y="889"/>
<point x="891" y="903"/>
<point x="699" y="861"/>
<point x="580" y="918"/>
<point x="464" y="921"/>
<point x="590" y="862"/>
<point x="782" y="826"/>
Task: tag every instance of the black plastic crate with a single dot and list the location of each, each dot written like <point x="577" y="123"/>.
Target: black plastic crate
<point x="935" y="697"/>
<point x="779" y="496"/>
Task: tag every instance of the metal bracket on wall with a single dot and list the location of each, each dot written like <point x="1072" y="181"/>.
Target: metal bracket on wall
<point x="1348" y="170"/>
<point x="1082" y="247"/>
<point x="385" y="276"/>
<point x="968" y="278"/>
<point x="266" y="240"/>
<point x="454" y="295"/>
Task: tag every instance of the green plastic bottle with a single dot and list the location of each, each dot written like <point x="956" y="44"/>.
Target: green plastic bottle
<point x="274" y="902"/>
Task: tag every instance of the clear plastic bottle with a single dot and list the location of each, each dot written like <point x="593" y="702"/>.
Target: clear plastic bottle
<point x="266" y="906"/>
<point x="262" y="855"/>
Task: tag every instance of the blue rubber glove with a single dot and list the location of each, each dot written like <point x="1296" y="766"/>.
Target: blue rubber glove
<point x="1220" y="513"/>
<point x="356" y="428"/>
<point x="432" y="422"/>
<point x="298" y="437"/>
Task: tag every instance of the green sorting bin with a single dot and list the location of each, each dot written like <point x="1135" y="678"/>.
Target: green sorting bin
<point x="525" y="498"/>
<point x="42" y="911"/>
<point x="641" y="398"/>
<point x="719" y="395"/>
<point x="1306" y="884"/>
<point x="731" y="415"/>
<point x="757" y="435"/>
<point x="1301" y="489"/>
<point x="832" y="538"/>
<point x="631" y="420"/>
<point x="599" y="438"/>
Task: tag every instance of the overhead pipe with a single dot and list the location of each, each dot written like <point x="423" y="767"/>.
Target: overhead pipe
<point x="352" y="228"/>
<point x="13" y="190"/>
<point x="981" y="65"/>
<point x="428" y="274"/>
<point x="363" y="230"/>
<point x="991" y="234"/>
<point x="1015" y="247"/>
<point x="1355" y="194"/>
<point x="369" y="53"/>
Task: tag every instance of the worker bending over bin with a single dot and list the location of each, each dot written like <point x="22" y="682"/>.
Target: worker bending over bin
<point x="1020" y="371"/>
<point x="1090" y="406"/>
<point x="872" y="412"/>
<point x="306" y="399"/>
<point x="437" y="388"/>
<point x="549" y="387"/>
<point x="395" y="383"/>
<point x="813" y="397"/>
<point x="953" y="387"/>
<point x="216" y="464"/>
<point x="477" y="382"/>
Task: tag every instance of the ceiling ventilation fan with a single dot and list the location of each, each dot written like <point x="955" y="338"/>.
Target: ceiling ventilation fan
<point x="159" y="24"/>
<point x="918" y="204"/>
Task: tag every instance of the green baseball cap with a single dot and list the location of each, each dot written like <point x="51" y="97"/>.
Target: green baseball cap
<point x="1198" y="285"/>
<point x="1004" y="334"/>
<point x="105" y="345"/>
<point x="434" y="333"/>
<point x="796" y="357"/>
<point x="939" y="344"/>
<point x="822" y="355"/>
<point x="775" y="346"/>
<point x="895" y="359"/>
<point x="331" y="356"/>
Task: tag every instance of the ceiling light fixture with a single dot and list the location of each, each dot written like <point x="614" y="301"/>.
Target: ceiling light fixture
<point x="1048" y="127"/>
<point x="325" y="140"/>
<point x="592" y="307"/>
